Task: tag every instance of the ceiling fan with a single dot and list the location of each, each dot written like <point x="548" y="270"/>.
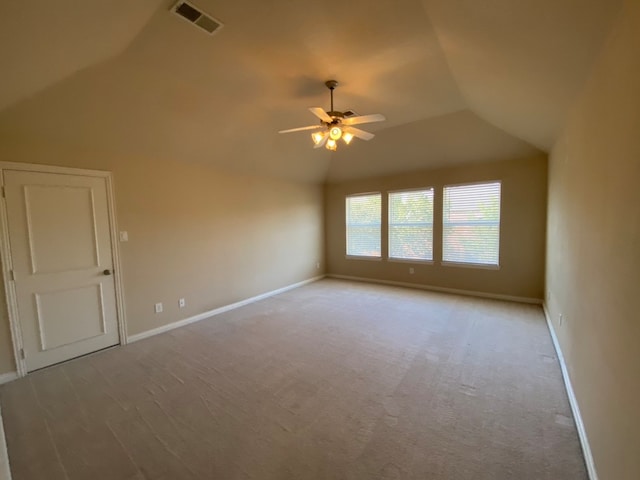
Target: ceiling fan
<point x="335" y="125"/>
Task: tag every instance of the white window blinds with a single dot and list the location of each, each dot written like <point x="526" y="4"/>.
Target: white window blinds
<point x="363" y="225"/>
<point x="411" y="224"/>
<point x="471" y="224"/>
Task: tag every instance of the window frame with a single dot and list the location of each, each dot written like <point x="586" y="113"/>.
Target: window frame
<point x="389" y="224"/>
<point x="481" y="266"/>
<point x="346" y="223"/>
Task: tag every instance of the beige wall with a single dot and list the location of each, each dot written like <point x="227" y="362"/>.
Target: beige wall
<point x="593" y="263"/>
<point x="213" y="238"/>
<point x="522" y="232"/>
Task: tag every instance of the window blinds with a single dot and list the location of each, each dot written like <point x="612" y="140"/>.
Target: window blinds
<point x="363" y="225"/>
<point x="411" y="224"/>
<point x="471" y="224"/>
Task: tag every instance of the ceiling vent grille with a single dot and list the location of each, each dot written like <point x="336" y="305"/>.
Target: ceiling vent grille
<point x="194" y="15"/>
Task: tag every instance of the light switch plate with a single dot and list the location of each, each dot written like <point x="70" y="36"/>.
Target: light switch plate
<point x="124" y="236"/>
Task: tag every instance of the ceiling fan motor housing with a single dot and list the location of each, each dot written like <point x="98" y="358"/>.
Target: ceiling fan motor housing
<point x="331" y="84"/>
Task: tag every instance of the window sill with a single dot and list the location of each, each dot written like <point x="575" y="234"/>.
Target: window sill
<point x="359" y="257"/>
<point x="480" y="266"/>
<point x="410" y="260"/>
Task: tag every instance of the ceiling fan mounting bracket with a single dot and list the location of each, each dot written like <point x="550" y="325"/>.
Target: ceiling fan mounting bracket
<point x="331" y="84"/>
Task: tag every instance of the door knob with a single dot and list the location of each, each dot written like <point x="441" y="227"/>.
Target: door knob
<point x="107" y="272"/>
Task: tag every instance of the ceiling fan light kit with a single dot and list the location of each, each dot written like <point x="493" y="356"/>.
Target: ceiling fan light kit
<point x="335" y="126"/>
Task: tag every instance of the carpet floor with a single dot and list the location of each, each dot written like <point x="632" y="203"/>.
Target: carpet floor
<point x="334" y="380"/>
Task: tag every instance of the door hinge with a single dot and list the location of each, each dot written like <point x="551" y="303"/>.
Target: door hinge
<point x="22" y="355"/>
<point x="12" y="275"/>
<point x="3" y="195"/>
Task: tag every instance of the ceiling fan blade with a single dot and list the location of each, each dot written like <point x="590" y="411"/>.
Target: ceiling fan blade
<point x="322" y="142"/>
<point x="361" y="134"/>
<point x="300" y="129"/>
<point x="374" y="117"/>
<point x="321" y="114"/>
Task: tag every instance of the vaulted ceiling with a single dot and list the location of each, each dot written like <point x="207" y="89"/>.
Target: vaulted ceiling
<point x="458" y="80"/>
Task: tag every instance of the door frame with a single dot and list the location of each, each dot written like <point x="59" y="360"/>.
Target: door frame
<point x="7" y="259"/>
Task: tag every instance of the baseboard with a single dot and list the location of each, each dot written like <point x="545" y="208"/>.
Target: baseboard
<point x="573" y="401"/>
<point x="5" y="471"/>
<point x="471" y="293"/>
<point x="8" y="377"/>
<point x="201" y="316"/>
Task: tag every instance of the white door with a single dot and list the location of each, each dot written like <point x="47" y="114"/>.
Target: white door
<point x="60" y="242"/>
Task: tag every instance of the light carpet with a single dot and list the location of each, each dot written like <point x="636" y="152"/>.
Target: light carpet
<point x="333" y="380"/>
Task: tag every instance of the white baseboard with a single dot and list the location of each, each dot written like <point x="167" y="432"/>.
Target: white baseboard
<point x="201" y="316"/>
<point x="573" y="401"/>
<point x="471" y="293"/>
<point x="5" y="471"/>
<point x="8" y="377"/>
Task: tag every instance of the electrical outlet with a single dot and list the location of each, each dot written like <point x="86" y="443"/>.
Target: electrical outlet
<point x="182" y="303"/>
<point x="158" y="307"/>
<point x="318" y="265"/>
<point x="412" y="270"/>
<point x="561" y="319"/>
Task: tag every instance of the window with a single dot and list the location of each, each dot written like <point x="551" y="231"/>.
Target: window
<point x="471" y="224"/>
<point x="363" y="225"/>
<point x="411" y="224"/>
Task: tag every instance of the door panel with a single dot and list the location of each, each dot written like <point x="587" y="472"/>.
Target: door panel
<point x="52" y="311"/>
<point x="55" y="214"/>
<point x="60" y="240"/>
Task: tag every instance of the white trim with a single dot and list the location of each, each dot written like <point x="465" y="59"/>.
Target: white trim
<point x="470" y="293"/>
<point x="117" y="264"/>
<point x="573" y="401"/>
<point x="35" y="167"/>
<point x="5" y="471"/>
<point x="7" y="261"/>
<point x="9" y="284"/>
<point x="416" y="189"/>
<point x="464" y="184"/>
<point x="369" y="258"/>
<point x="217" y="311"/>
<point x="481" y="266"/>
<point x="418" y="261"/>
<point x="8" y="377"/>
<point x="363" y="194"/>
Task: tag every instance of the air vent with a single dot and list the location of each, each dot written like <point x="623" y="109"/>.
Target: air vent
<point x="349" y="113"/>
<point x="194" y="15"/>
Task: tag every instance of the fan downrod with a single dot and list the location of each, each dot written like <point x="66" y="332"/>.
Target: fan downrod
<point x="331" y="85"/>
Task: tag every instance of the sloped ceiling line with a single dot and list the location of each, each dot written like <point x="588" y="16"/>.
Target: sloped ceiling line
<point x="479" y="80"/>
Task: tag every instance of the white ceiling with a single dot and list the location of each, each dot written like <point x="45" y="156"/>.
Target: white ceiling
<point x="458" y="80"/>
